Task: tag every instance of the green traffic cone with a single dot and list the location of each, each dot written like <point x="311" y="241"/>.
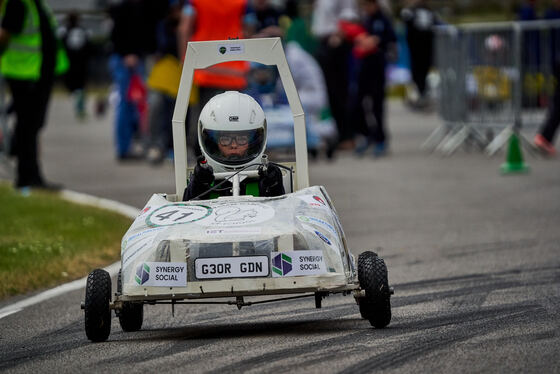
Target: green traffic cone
<point x="514" y="160"/>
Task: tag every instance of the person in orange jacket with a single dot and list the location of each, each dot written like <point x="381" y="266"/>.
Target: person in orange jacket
<point x="214" y="20"/>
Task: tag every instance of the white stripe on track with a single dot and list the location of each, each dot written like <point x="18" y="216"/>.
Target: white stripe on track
<point x="79" y="198"/>
<point x="98" y="202"/>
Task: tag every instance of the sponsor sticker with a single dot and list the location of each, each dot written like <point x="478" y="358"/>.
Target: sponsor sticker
<point x="319" y="222"/>
<point x="231" y="267"/>
<point x="176" y="214"/>
<point x="318" y="234"/>
<point x="319" y="199"/>
<point x="231" y="49"/>
<point x="323" y="237"/>
<point x="315" y="201"/>
<point x="161" y="274"/>
<point x="227" y="231"/>
<point x="237" y="214"/>
<point x="290" y="264"/>
<point x="138" y="243"/>
<point x="140" y="219"/>
<point x="144" y="211"/>
<point x="142" y="235"/>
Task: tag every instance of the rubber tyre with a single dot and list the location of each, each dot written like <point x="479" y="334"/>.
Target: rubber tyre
<point x="131" y="315"/>
<point x="97" y="311"/>
<point x="372" y="275"/>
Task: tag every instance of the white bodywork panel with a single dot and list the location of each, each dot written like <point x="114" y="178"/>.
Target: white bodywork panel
<point x="200" y="55"/>
<point x="241" y="245"/>
<point x="192" y="237"/>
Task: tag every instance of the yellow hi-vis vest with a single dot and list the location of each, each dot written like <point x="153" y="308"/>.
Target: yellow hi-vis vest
<point x="22" y="58"/>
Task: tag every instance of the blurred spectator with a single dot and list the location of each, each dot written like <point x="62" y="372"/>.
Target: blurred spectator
<point x="299" y="24"/>
<point x="213" y="20"/>
<point x="379" y="46"/>
<point x="544" y="140"/>
<point x="310" y="84"/>
<point x="266" y="18"/>
<point x="310" y="81"/>
<point x="386" y="7"/>
<point x="269" y="92"/>
<point x="76" y="41"/>
<point x="419" y="20"/>
<point x="312" y="91"/>
<point x="527" y="11"/>
<point x="531" y="48"/>
<point x="31" y="56"/>
<point x="552" y="13"/>
<point x="164" y="84"/>
<point x="261" y="84"/>
<point x="333" y="55"/>
<point x="133" y="37"/>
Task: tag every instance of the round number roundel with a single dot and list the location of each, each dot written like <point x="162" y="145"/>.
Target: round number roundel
<point x="176" y="214"/>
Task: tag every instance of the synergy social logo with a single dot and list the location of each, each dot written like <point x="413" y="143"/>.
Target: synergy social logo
<point x="297" y="263"/>
<point x="142" y="274"/>
<point x="281" y="264"/>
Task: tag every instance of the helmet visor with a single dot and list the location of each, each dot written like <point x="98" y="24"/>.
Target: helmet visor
<point x="233" y="148"/>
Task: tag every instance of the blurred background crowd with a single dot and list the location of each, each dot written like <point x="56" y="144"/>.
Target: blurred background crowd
<point x="346" y="57"/>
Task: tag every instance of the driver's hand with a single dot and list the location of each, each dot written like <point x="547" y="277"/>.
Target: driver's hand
<point x="272" y="172"/>
<point x="203" y="172"/>
<point x="270" y="181"/>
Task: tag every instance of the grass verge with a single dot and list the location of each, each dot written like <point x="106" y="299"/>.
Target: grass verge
<point x="45" y="241"/>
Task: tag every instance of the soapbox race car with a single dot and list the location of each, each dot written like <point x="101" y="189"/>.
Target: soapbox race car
<point x="235" y="247"/>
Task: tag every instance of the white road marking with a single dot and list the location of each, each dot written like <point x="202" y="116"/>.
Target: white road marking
<point x="98" y="202"/>
<point x="7" y="313"/>
<point x="53" y="292"/>
<point x="85" y="199"/>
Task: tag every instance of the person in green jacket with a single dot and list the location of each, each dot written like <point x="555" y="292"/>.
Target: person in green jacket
<point x="30" y="57"/>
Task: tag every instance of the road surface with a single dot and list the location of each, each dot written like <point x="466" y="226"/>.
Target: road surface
<point x="474" y="258"/>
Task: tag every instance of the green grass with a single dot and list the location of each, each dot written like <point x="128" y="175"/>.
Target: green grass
<point x="45" y="241"/>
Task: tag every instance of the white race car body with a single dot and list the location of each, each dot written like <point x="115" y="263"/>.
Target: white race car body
<point x="236" y="246"/>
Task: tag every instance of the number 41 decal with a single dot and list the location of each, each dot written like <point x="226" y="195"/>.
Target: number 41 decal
<point x="167" y="215"/>
<point x="174" y="214"/>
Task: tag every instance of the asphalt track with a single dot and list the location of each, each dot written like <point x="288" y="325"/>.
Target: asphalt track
<point x="473" y="256"/>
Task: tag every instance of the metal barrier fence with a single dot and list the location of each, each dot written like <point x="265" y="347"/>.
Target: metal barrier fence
<point x="495" y="79"/>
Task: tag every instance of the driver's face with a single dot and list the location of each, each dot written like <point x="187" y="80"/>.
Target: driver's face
<point x="232" y="146"/>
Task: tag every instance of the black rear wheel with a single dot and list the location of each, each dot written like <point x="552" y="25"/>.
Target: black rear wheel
<point x="131" y="315"/>
<point x="96" y="306"/>
<point x="372" y="275"/>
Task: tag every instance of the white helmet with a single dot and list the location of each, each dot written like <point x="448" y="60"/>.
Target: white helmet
<point x="231" y="131"/>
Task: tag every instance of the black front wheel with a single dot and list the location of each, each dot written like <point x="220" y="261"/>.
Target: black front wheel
<point x="131" y="315"/>
<point x="96" y="306"/>
<point x="372" y="275"/>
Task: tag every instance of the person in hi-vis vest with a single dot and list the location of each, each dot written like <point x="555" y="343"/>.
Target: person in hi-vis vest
<point x="31" y="56"/>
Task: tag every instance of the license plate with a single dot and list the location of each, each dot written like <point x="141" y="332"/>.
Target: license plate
<point x="231" y="267"/>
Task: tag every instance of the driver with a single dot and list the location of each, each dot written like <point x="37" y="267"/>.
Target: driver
<point x="232" y="136"/>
